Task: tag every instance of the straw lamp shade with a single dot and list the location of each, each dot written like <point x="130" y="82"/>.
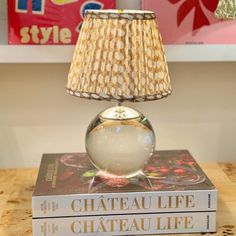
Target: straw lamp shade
<point x="119" y="56"/>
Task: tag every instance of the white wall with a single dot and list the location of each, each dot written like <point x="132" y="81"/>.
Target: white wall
<point x="37" y="116"/>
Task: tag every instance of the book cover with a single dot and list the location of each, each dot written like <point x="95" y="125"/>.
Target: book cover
<point x="162" y="223"/>
<point x="69" y="185"/>
<point x="191" y="22"/>
<point x="49" y="21"/>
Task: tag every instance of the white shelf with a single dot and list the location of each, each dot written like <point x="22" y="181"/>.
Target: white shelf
<point x="63" y="54"/>
<point x="201" y="53"/>
<point x="36" y="54"/>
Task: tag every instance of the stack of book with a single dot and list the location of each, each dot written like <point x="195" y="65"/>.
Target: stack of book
<point x="172" y="196"/>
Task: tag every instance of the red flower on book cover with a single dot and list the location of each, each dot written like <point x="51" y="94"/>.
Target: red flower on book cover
<point x="200" y="19"/>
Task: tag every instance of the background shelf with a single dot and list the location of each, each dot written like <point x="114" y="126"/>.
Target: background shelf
<point x="63" y="54"/>
<point x="36" y="54"/>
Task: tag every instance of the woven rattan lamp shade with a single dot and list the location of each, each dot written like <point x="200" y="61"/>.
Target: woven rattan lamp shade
<point x="119" y="56"/>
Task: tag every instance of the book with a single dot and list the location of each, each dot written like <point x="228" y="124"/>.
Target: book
<point x="192" y="22"/>
<point x="44" y="22"/>
<point x="173" y="182"/>
<point x="135" y="224"/>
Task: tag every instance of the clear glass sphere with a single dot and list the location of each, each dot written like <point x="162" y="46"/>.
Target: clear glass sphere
<point x="119" y="141"/>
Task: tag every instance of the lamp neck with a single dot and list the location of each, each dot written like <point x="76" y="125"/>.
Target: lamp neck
<point x="118" y="103"/>
<point x="119" y="112"/>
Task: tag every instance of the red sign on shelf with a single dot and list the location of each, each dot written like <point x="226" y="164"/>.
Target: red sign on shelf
<point x="49" y="21"/>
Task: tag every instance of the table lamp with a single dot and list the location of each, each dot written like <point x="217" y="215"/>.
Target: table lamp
<point x="119" y="57"/>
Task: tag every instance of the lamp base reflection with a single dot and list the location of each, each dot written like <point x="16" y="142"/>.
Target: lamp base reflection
<point x="103" y="180"/>
<point x="120" y="141"/>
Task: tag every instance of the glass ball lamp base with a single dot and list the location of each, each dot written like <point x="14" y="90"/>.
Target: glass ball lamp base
<point x="120" y="141"/>
<point x="103" y="181"/>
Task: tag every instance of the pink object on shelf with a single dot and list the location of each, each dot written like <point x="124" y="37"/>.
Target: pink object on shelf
<point x="49" y="21"/>
<point x="191" y="22"/>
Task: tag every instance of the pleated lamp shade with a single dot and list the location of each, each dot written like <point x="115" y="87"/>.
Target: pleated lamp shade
<point x="119" y="56"/>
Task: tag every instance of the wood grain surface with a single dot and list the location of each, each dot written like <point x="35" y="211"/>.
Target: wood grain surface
<point x="16" y="187"/>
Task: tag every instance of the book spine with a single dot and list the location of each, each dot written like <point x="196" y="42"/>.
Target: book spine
<point x="162" y="223"/>
<point x="124" y="203"/>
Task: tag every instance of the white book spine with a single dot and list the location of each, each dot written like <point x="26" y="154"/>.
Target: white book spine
<point x="124" y="203"/>
<point x="162" y="223"/>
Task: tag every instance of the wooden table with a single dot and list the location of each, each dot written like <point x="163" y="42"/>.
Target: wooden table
<point x="16" y="187"/>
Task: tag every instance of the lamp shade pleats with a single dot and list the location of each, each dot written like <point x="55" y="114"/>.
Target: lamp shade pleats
<point x="119" y="56"/>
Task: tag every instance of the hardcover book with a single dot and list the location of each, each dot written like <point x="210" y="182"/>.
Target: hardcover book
<point x="191" y="22"/>
<point x="49" y="21"/>
<point x="135" y="224"/>
<point x="172" y="181"/>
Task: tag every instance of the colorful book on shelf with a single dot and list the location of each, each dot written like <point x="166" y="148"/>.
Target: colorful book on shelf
<point x="191" y="22"/>
<point x="69" y="185"/>
<point x="135" y="224"/>
<point x="49" y="21"/>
